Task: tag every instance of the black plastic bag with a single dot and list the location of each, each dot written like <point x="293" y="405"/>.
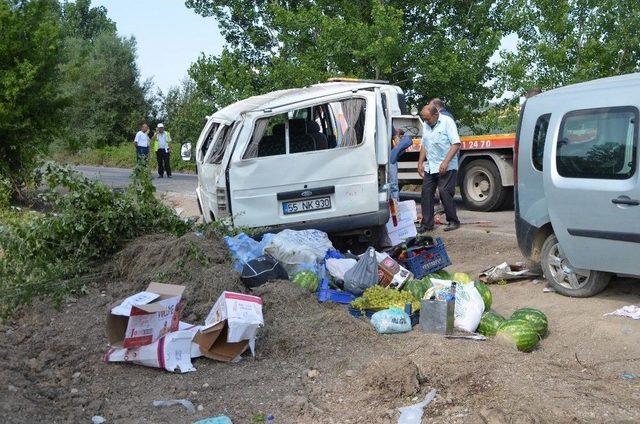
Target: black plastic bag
<point x="363" y="275"/>
<point x="264" y="268"/>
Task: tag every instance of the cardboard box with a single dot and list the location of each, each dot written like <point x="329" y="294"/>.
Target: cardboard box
<point x="231" y="326"/>
<point x="145" y="317"/>
<point x="398" y="236"/>
<point x="406" y="216"/>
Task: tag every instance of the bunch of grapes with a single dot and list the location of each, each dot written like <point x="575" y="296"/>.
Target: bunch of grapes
<point x="377" y="298"/>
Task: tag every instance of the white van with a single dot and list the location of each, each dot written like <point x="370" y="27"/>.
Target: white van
<point x="313" y="157"/>
<point x="578" y="183"/>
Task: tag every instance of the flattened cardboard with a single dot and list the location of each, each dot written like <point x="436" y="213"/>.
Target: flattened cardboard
<point x="213" y="343"/>
<point x="169" y="301"/>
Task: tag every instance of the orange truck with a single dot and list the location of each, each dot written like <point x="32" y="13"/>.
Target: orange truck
<point x="485" y="173"/>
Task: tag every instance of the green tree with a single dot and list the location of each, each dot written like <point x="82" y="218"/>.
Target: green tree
<point x="569" y="41"/>
<point x="29" y="101"/>
<point x="185" y="110"/>
<point x="80" y="20"/>
<point x="101" y="78"/>
<point x="434" y="49"/>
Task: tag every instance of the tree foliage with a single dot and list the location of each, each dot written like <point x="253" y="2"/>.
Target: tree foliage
<point x="433" y="49"/>
<point x="185" y="112"/>
<point x="29" y="99"/>
<point x="568" y="41"/>
<point x="100" y="75"/>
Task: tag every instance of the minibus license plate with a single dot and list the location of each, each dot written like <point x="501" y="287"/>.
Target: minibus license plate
<point x="309" y="205"/>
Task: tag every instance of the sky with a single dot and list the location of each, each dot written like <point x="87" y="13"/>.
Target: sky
<point x="170" y="37"/>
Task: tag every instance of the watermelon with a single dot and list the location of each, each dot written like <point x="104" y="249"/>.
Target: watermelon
<point x="489" y="323"/>
<point x="441" y="275"/>
<point x="518" y="333"/>
<point x="417" y="288"/>
<point x="306" y="280"/>
<point x="536" y="318"/>
<point x="484" y="291"/>
<point x="461" y="277"/>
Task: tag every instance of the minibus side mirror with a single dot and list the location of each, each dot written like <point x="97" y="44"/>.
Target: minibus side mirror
<point x="185" y="152"/>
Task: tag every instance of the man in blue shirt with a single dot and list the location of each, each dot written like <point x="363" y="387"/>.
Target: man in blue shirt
<point x="397" y="151"/>
<point x="440" y="146"/>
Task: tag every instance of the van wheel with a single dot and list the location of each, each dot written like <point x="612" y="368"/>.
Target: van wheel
<point x="564" y="277"/>
<point x="481" y="186"/>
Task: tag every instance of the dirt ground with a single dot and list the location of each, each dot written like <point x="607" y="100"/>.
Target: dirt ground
<point x="52" y="369"/>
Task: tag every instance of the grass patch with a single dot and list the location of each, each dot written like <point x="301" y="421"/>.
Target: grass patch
<point x="120" y="156"/>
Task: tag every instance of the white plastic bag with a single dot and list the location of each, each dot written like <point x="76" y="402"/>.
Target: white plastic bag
<point x="469" y="304"/>
<point x="338" y="267"/>
<point x="297" y="248"/>
<point x="392" y="320"/>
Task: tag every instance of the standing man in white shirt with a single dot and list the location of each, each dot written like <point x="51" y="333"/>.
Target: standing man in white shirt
<point x="161" y="140"/>
<point x="141" y="141"/>
<point x="440" y="146"/>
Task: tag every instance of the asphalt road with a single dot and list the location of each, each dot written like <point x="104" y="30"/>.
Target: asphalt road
<point x="120" y="177"/>
<point x="184" y="185"/>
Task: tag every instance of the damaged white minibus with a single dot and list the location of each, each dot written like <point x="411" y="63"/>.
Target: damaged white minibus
<point x="312" y="157"/>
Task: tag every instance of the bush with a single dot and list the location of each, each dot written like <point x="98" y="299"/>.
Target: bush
<point x="47" y="254"/>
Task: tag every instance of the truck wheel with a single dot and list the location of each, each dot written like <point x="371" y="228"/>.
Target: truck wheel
<point x="481" y="186"/>
<point x="564" y="277"/>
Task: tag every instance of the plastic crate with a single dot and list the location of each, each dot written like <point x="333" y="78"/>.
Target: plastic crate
<point x="415" y="317"/>
<point x="325" y="294"/>
<point x="432" y="259"/>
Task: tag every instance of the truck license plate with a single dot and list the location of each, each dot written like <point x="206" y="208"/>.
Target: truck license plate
<point x="309" y="205"/>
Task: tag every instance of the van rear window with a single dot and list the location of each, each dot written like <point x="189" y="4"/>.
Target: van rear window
<point x="598" y="143"/>
<point x="319" y="127"/>
<point x="539" y="136"/>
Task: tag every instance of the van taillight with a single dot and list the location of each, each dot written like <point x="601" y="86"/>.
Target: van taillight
<point x="516" y="147"/>
<point x="382" y="176"/>
<point x="221" y="198"/>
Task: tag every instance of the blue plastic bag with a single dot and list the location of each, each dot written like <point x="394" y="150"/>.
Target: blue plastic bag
<point x="243" y="248"/>
<point x="392" y="320"/>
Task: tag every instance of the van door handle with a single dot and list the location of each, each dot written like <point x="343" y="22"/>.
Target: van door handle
<point x="625" y="200"/>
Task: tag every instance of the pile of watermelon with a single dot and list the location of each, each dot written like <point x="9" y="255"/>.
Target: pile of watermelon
<point x="523" y="330"/>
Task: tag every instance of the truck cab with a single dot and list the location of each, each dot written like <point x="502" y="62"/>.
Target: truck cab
<point x="578" y="185"/>
<point x="312" y="157"/>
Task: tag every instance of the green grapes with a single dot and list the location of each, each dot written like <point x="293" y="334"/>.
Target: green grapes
<point x="377" y="298"/>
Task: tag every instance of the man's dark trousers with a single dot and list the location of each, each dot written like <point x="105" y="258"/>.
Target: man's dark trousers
<point x="446" y="185"/>
<point x="163" y="162"/>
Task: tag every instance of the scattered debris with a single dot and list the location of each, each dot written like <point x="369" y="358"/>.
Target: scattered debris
<point x="413" y="414"/>
<point x="184" y="402"/>
<point x="97" y="419"/>
<point x="549" y="290"/>
<point x="466" y="336"/>
<point x="12" y="388"/>
<point x="630" y="311"/>
<point x="220" y="419"/>
<point x="506" y="272"/>
<point x="630" y="376"/>
<point x="313" y="374"/>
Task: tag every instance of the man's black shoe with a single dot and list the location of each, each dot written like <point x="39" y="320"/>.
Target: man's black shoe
<point x="424" y="229"/>
<point x="168" y="176"/>
<point x="452" y="226"/>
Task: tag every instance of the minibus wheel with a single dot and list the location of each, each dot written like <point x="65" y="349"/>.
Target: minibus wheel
<point x="564" y="277"/>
